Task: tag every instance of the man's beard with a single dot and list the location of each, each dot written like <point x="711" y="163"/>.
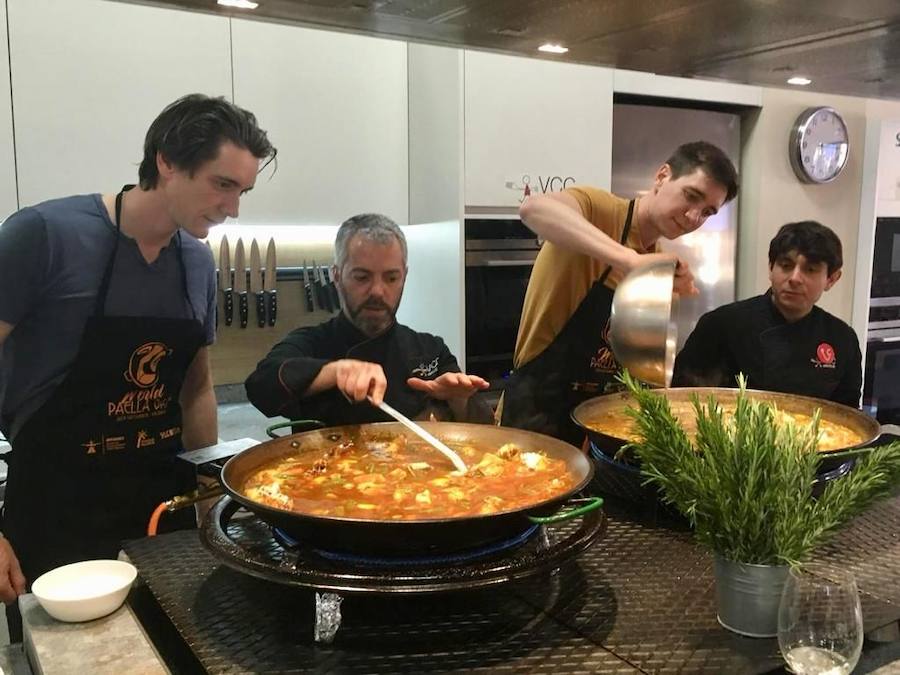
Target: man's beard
<point x="373" y="324"/>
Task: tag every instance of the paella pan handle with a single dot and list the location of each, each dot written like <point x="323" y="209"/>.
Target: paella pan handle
<point x="306" y="425"/>
<point x="854" y="453"/>
<point x="588" y="504"/>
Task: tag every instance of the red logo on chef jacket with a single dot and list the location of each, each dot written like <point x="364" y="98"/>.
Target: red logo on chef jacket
<point x="825" y="356"/>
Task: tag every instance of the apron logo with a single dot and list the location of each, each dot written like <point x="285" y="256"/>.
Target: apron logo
<point x="144" y="440"/>
<point x="426" y="369"/>
<point x="150" y="399"/>
<point x="604" y="360"/>
<point x="139" y="403"/>
<point x="825" y="356"/>
<point x="90" y="447"/>
<point x="114" y="443"/>
<point x="143" y="366"/>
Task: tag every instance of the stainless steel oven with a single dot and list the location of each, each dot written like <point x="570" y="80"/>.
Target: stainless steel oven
<point x="500" y="254"/>
<point x="881" y="379"/>
<point x="886" y="262"/>
<point x="881" y="382"/>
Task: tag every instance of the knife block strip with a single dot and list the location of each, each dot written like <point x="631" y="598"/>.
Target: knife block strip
<point x="237" y="350"/>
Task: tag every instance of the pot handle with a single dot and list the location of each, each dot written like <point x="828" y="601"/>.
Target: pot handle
<point x="855" y="453"/>
<point x="588" y="504"/>
<point x="309" y="424"/>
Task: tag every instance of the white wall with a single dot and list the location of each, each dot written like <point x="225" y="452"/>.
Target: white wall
<point x="8" y="197"/>
<point x="435" y="236"/>
<point x="335" y="106"/>
<point x="89" y="76"/>
<point x="529" y="120"/>
<point x="772" y="195"/>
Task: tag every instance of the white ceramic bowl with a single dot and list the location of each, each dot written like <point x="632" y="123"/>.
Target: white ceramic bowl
<point x="84" y="590"/>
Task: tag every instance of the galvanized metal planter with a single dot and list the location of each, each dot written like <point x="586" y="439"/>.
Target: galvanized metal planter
<point x="747" y="596"/>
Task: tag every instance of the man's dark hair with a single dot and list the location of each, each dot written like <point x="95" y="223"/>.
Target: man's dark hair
<point x="812" y="240"/>
<point x="689" y="157"/>
<point x="190" y="131"/>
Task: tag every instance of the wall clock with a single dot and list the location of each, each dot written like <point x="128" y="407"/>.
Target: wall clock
<point x="819" y="145"/>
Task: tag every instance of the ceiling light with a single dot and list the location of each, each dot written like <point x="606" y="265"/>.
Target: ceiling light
<point x="800" y="81"/>
<point x="553" y="49"/>
<point x="240" y="4"/>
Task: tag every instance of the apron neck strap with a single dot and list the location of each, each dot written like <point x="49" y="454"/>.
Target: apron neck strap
<point x="625" y="230"/>
<point x="100" y="307"/>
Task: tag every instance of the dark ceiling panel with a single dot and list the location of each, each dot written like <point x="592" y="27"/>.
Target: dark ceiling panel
<point x="845" y="46"/>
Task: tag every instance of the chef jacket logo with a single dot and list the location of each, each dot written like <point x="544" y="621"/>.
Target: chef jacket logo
<point x="544" y="185"/>
<point x="426" y="369"/>
<point x="825" y="356"/>
<point x="143" y="366"/>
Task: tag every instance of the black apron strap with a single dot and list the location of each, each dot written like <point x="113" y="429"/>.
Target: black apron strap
<point x="625" y="230"/>
<point x="103" y="291"/>
<point x="578" y="364"/>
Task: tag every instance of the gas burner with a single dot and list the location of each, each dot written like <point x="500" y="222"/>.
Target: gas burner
<point x="481" y="553"/>
<point x="246" y="543"/>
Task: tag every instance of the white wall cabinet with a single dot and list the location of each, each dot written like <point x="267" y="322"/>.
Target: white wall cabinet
<point x="88" y="78"/>
<point x="536" y="123"/>
<point x="335" y="106"/>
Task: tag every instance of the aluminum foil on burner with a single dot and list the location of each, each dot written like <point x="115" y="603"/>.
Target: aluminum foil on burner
<point x="328" y="617"/>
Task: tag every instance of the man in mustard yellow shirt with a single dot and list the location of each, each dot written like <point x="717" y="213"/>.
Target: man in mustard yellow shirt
<point x="593" y="239"/>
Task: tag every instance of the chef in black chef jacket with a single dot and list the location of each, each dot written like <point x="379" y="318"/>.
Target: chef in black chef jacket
<point x="107" y="306"/>
<point x="325" y="372"/>
<point x="781" y="340"/>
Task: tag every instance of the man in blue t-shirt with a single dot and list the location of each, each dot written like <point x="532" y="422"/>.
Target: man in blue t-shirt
<point x="107" y="307"/>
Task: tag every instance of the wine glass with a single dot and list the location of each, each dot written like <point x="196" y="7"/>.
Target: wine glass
<point x="820" y="629"/>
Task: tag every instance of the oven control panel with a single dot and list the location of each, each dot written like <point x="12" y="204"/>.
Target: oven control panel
<point x="884" y="313"/>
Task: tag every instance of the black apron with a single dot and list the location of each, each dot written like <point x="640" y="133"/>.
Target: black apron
<point x="88" y="468"/>
<point x="576" y="366"/>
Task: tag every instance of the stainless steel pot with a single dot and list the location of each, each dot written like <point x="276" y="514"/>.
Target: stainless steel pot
<point x="642" y="332"/>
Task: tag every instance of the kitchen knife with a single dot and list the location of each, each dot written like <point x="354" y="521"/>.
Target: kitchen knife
<point x="322" y="296"/>
<point x="307" y="288"/>
<point x="256" y="284"/>
<point x="240" y="282"/>
<point x="271" y="278"/>
<point x="331" y="288"/>
<point x="211" y="255"/>
<point x="225" y="280"/>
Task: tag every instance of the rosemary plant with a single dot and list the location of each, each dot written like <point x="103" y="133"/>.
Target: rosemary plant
<point x="745" y="484"/>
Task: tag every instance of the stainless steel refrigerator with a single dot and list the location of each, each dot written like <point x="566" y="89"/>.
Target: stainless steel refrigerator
<point x="643" y="138"/>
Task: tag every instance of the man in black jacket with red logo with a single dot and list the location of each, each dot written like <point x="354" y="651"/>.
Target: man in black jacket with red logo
<point x="326" y="372"/>
<point x="781" y="340"/>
